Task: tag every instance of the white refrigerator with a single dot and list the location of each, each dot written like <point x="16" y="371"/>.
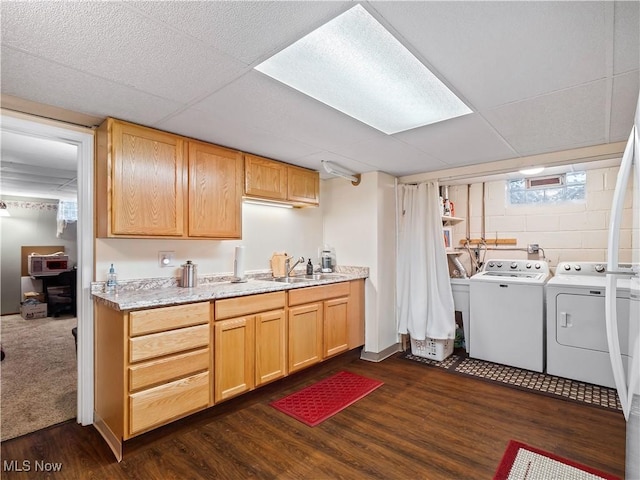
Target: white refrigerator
<point x="626" y="373"/>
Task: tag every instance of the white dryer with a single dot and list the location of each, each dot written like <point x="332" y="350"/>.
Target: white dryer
<point x="576" y="333"/>
<point x="506" y="302"/>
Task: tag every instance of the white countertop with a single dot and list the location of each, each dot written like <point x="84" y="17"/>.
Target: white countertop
<point x="133" y="295"/>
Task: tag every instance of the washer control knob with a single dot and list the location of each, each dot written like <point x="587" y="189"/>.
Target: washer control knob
<point x="491" y="264"/>
<point x="528" y="265"/>
<point x="514" y="265"/>
<point x="537" y="266"/>
<point x="577" y="268"/>
<point x="567" y="266"/>
<point x="599" y="268"/>
<point x="499" y="265"/>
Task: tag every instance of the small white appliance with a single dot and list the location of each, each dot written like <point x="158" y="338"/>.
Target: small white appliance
<point x="47" y="265"/>
<point x="576" y="328"/>
<point x="506" y="301"/>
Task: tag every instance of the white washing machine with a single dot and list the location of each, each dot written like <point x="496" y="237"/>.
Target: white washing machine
<point x="576" y="332"/>
<point x="506" y="301"/>
<point x="460" y="291"/>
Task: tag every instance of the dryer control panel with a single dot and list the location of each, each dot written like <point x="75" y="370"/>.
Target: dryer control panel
<point x="581" y="268"/>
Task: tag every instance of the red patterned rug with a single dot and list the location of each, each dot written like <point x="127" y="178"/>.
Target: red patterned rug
<point x="522" y="462"/>
<point x="314" y="404"/>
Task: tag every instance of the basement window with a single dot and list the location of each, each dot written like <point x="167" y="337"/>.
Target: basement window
<point x="566" y="187"/>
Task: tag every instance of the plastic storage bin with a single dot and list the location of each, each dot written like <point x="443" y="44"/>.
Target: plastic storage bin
<point x="432" y="348"/>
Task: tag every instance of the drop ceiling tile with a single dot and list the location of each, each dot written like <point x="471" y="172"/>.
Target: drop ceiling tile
<point x="115" y="43"/>
<point x="568" y="119"/>
<point x="626" y="40"/>
<point x="623" y="105"/>
<point x="493" y="53"/>
<point x="392" y="156"/>
<point x="45" y="82"/>
<point x="215" y="127"/>
<point x="247" y="31"/>
<point x="259" y="101"/>
<point x="464" y="140"/>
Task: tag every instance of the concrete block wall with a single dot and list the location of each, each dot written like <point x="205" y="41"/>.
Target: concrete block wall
<point x="571" y="231"/>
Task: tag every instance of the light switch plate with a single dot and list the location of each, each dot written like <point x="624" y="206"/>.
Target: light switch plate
<point x="166" y="259"/>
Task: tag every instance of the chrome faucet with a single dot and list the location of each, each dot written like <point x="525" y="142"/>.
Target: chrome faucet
<point x="289" y="270"/>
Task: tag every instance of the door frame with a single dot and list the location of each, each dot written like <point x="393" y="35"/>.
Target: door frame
<point x="83" y="138"/>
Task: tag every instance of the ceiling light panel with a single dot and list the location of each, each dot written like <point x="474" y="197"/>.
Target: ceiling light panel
<point x="356" y="66"/>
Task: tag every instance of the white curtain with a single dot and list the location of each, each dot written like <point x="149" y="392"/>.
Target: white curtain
<point x="425" y="301"/>
<point x="67" y="213"/>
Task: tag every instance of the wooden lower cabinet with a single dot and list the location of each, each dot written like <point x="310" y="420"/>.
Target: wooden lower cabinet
<point x="149" y="373"/>
<point x="305" y="336"/>
<point x="164" y="403"/>
<point x="250" y="350"/>
<point x="336" y="327"/>
<point x="319" y="323"/>
<point x="157" y="365"/>
<point x="234" y="357"/>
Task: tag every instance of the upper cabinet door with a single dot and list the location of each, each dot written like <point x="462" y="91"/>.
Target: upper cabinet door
<point x="265" y="178"/>
<point x="147" y="182"/>
<point x="303" y="185"/>
<point x="215" y="191"/>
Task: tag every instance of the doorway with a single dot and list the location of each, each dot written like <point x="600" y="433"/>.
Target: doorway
<point x="83" y="139"/>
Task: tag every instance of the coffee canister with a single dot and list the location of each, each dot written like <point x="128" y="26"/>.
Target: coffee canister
<point x="189" y="275"/>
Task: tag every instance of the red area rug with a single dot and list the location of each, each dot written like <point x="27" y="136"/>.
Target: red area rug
<point x="522" y="462"/>
<point x="314" y="404"/>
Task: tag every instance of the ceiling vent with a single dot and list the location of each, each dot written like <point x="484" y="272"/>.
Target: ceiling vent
<point x="545" y="182"/>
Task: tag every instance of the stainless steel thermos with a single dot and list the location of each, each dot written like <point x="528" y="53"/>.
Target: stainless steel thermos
<point x="189" y="275"/>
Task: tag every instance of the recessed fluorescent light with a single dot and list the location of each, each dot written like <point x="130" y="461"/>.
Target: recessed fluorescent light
<point x="354" y="65"/>
<point x="532" y="171"/>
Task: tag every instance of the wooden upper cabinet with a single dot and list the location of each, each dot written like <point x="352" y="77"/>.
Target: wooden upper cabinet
<point x="154" y="184"/>
<point x="215" y="191"/>
<point x="303" y="185"/>
<point x="140" y="181"/>
<point x="265" y="178"/>
<point x="277" y="181"/>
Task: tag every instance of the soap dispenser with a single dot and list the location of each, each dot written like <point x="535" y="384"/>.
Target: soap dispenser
<point x="309" y="268"/>
<point x="112" y="280"/>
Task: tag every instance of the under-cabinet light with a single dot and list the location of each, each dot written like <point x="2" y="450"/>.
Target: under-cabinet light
<point x="266" y="203"/>
<point x="356" y="66"/>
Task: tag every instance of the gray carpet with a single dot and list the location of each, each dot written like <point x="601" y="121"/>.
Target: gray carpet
<point x="38" y="377"/>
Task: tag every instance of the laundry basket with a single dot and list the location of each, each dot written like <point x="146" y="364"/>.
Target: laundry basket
<point x="432" y="348"/>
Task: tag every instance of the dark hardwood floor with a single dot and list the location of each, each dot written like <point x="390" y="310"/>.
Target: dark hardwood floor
<point x="423" y="423"/>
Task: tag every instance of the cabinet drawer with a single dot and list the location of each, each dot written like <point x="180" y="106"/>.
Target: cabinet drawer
<point x="162" y="404"/>
<point x="165" y="343"/>
<point x="166" y="318"/>
<point x="248" y="305"/>
<point x="167" y="369"/>
<point x="300" y="296"/>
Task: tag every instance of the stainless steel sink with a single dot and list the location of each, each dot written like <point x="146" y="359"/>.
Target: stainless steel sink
<point x="290" y="279"/>
<point x="305" y="278"/>
<point x="320" y="276"/>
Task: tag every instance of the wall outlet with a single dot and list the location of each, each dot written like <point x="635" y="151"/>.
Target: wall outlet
<point x="166" y="259"/>
<point x="533" y="248"/>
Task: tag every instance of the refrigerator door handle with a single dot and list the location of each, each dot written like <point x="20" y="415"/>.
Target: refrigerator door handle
<point x="611" y="314"/>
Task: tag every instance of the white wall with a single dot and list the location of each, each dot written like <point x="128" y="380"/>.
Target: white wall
<point x="359" y="222"/>
<point x="566" y="231"/>
<point x="265" y="231"/>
